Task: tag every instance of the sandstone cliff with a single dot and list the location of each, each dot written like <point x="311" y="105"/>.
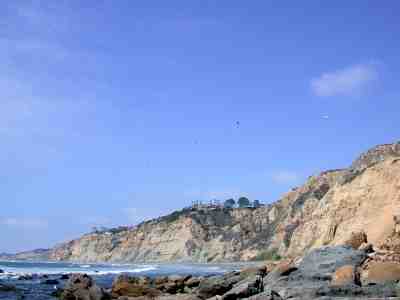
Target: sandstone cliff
<point x="324" y="211"/>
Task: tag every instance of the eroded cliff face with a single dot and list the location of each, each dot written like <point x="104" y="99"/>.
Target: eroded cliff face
<point x="324" y="211"/>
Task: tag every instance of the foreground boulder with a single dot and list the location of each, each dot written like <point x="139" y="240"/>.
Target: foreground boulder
<point x="323" y="262"/>
<point x="82" y="287"/>
<point x="313" y="273"/>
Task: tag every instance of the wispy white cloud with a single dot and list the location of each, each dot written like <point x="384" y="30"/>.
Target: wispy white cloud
<point x="25" y="223"/>
<point x="348" y="81"/>
<point x="286" y="177"/>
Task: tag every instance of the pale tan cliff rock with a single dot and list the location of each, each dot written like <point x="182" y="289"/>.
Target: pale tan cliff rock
<point x="326" y="210"/>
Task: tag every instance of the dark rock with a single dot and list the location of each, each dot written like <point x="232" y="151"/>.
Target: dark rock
<point x="64" y="277"/>
<point x="7" y="288"/>
<point x="217" y="285"/>
<point x="51" y="281"/>
<point x="1" y="271"/>
<point x="25" y="277"/>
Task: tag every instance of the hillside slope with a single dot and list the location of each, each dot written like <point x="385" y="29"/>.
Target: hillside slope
<point x="324" y="211"/>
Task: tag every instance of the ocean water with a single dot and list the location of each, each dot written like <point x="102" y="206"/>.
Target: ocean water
<point x="29" y="277"/>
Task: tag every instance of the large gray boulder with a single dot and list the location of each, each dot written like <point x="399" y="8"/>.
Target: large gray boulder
<point x="321" y="263"/>
<point x="311" y="279"/>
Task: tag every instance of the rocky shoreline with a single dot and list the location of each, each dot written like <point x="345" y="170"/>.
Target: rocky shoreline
<point x="354" y="270"/>
<point x="339" y="272"/>
<point x="322" y="211"/>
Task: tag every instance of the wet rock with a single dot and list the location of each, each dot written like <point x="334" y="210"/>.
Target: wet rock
<point x="25" y="277"/>
<point x="7" y="288"/>
<point x="129" y="286"/>
<point x="381" y="272"/>
<point x="64" y="277"/>
<point x="51" y="281"/>
<point x="1" y="271"/>
<point x="217" y="285"/>
<point x="345" y="275"/>
<point x="82" y="287"/>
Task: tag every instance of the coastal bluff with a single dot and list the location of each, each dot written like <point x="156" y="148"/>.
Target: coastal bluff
<point x="327" y="210"/>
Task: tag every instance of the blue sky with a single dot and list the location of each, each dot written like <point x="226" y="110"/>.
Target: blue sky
<point x="112" y="112"/>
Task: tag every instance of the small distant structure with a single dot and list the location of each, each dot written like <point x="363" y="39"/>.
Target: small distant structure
<point x="212" y="204"/>
<point x="218" y="204"/>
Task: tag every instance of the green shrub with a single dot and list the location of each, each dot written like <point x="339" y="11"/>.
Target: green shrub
<point x="268" y="255"/>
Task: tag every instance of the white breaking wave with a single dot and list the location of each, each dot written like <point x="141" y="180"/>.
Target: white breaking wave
<point x="88" y="269"/>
